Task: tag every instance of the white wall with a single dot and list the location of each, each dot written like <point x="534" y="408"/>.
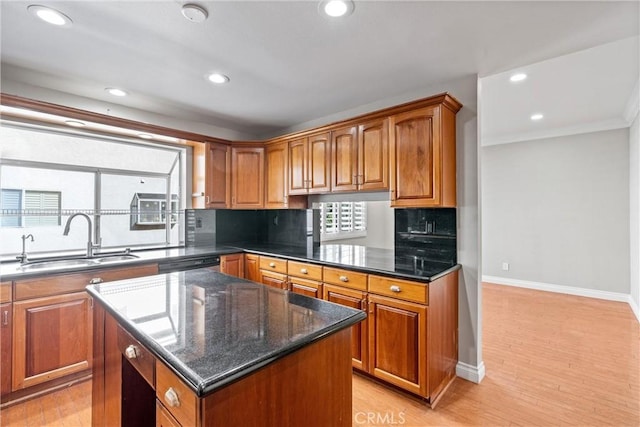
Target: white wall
<point x="557" y="210"/>
<point x="634" y="214"/>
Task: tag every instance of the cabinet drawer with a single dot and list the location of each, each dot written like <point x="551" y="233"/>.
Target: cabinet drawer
<point x="137" y="355"/>
<point x="163" y="417"/>
<point x="305" y="271"/>
<point x="346" y="278"/>
<point x="401" y="289"/>
<point x="5" y="292"/>
<point x="273" y="264"/>
<point x="179" y="400"/>
<point x="66" y="283"/>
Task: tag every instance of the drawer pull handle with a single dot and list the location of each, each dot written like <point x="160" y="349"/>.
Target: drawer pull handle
<point x="5" y="318"/>
<point x="395" y="288"/>
<point x="131" y="352"/>
<point x="304" y="271"/>
<point x="272" y="264"/>
<point x="344" y="279"/>
<point x="95" y="281"/>
<point x="171" y="397"/>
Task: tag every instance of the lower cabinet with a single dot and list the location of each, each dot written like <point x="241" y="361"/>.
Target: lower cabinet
<point x="252" y="267"/>
<point x="310" y="288"/>
<point x="6" y="334"/>
<point x="359" y="337"/>
<point x="276" y="280"/>
<point x="397" y="343"/>
<point x="52" y="338"/>
<point x="232" y="265"/>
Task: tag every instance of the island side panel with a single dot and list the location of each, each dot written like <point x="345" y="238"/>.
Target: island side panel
<point x="107" y="368"/>
<point x="310" y="387"/>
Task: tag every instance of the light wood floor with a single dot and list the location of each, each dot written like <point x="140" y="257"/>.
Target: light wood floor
<point x="551" y="359"/>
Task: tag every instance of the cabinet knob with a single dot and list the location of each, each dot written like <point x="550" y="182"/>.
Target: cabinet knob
<point x="395" y="288"/>
<point x="95" y="281"/>
<point x="131" y="352"/>
<point x="171" y="397"/>
<point x="304" y="271"/>
<point x="344" y="279"/>
<point x="272" y="264"/>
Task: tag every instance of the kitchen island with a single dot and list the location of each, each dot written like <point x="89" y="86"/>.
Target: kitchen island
<point x="202" y="348"/>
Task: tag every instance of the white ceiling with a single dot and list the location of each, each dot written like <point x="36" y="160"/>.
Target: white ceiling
<point x="287" y="63"/>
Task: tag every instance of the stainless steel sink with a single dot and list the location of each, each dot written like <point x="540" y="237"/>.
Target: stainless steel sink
<point x="59" y="263"/>
<point x="114" y="258"/>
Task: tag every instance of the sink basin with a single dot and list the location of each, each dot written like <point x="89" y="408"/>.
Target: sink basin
<point x="114" y="258"/>
<point x="59" y="263"/>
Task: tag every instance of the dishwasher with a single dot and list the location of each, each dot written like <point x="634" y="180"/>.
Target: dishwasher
<point x="210" y="261"/>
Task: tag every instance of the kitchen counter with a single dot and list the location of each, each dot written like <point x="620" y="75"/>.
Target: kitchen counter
<point x="355" y="257"/>
<point x="211" y="328"/>
<point x="201" y="348"/>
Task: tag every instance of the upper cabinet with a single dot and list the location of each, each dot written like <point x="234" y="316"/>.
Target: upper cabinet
<point x="217" y="192"/>
<point x="309" y="164"/>
<point x="423" y="156"/>
<point x="277" y="179"/>
<point x="360" y="157"/>
<point x="247" y="177"/>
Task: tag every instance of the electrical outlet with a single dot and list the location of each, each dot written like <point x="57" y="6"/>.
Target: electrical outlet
<point x="505" y="266"/>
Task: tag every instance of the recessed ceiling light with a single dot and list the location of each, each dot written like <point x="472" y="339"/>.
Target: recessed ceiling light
<point x="115" y="91"/>
<point x="536" y="117"/>
<point x="336" y="8"/>
<point x="194" y="13"/>
<point x="518" y="77"/>
<point x="74" y="123"/>
<point x="218" y="78"/>
<point x="50" y="16"/>
<point x="145" y="136"/>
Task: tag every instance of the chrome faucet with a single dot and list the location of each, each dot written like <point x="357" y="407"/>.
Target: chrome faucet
<point x="90" y="245"/>
<point x="23" y="256"/>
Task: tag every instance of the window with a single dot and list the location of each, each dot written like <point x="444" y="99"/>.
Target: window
<point x="41" y="208"/>
<point x="10" y="206"/>
<point x="46" y="204"/>
<point x="342" y="220"/>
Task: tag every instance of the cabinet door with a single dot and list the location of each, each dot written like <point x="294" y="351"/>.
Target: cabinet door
<point x="252" y="267"/>
<point x="344" y="159"/>
<point x="310" y="288"/>
<point x="277" y="159"/>
<point x="319" y="163"/>
<point x="6" y="327"/>
<point x="354" y="299"/>
<point x="218" y="180"/>
<point x="415" y="158"/>
<point x="397" y="343"/>
<point x="298" y="166"/>
<point x="373" y="155"/>
<point x="232" y="265"/>
<point x="275" y="280"/>
<point x="163" y="417"/>
<point x="52" y="338"/>
<point x="247" y="177"/>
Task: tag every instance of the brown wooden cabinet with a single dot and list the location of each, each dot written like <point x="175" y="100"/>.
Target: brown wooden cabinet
<point x="305" y="279"/>
<point x="276" y="194"/>
<point x="217" y="192"/>
<point x="232" y="264"/>
<point x="360" y="157"/>
<point x="359" y="336"/>
<point x="6" y="335"/>
<point x="423" y="156"/>
<point x="252" y="267"/>
<point x="52" y="338"/>
<point x="310" y="164"/>
<point x="275" y="280"/>
<point x="247" y="177"/>
<point x="397" y="342"/>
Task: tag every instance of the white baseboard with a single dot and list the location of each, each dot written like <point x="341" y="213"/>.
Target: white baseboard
<point x="570" y="290"/>
<point x="475" y="374"/>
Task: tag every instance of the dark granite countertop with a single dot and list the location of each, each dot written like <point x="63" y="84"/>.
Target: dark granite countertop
<point x="212" y="329"/>
<point x="354" y="257"/>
